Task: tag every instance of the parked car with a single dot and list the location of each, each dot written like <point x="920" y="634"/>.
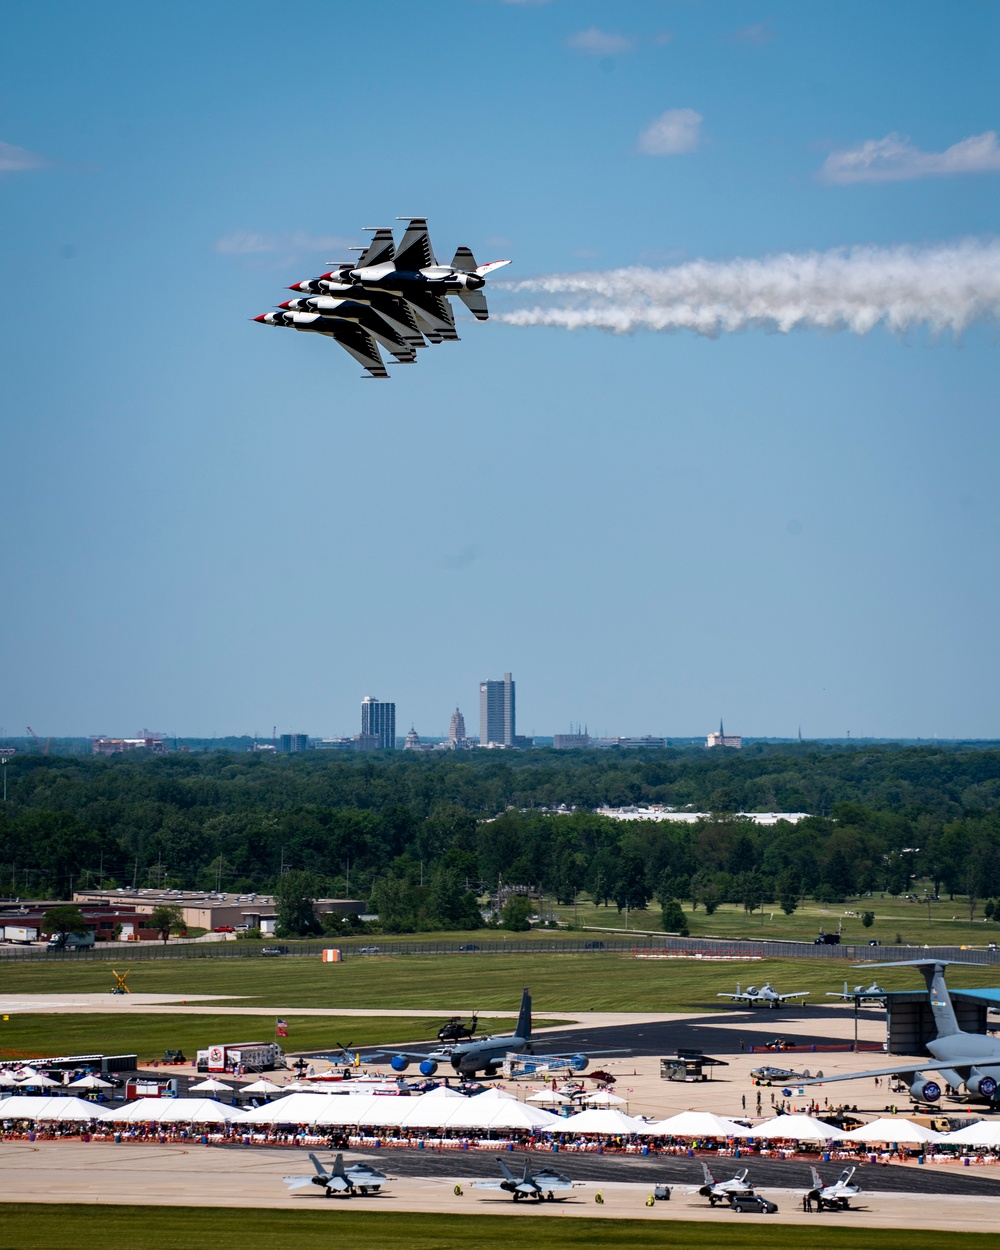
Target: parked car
<point x="468" y="946"/>
<point x="368" y="950"/>
<point x="593" y="946"/>
<point x="827" y="939"/>
<point x="752" y="1202"/>
<point x="274" y="950"/>
<point x="223" y="928"/>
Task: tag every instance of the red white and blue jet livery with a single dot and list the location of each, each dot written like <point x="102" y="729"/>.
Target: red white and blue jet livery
<point x="393" y="298"/>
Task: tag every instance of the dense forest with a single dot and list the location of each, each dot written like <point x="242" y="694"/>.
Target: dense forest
<point x="415" y="831"/>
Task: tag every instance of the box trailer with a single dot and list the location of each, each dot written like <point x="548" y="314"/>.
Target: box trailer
<point x="251" y="1056"/>
<point x="20" y="933"/>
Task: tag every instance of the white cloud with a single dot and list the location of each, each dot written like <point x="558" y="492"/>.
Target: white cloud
<point x="673" y="132"/>
<point x="947" y="287"/>
<point x="594" y="42"/>
<point x="895" y="159"/>
<point x="254" y="243"/>
<point x="13" y="159"/>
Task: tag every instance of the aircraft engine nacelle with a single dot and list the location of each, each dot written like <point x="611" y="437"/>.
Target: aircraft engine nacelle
<point x="399" y="1063"/>
<point x="428" y="1067"/>
<point x="579" y="1063"/>
<point x="980" y="1085"/>
<point x="924" y="1090"/>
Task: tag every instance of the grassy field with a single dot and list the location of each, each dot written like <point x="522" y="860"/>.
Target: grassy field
<point x="75" y="1227"/>
<point x="24" y="1036"/>
<point x="944" y="923"/>
<point x="598" y="980"/>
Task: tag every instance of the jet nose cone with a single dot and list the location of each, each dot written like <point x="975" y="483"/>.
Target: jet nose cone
<point x="296" y="286"/>
<point x="286" y="304"/>
<point x="262" y="317"/>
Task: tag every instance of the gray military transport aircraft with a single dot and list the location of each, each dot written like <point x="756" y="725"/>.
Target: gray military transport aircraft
<point x="396" y="298"/>
<point x="969" y="1059"/>
<point x="538" y="1185"/>
<point x="358" y="1178"/>
<point x="486" y="1054"/>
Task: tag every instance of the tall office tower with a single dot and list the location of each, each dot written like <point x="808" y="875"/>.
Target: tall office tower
<point x="289" y="743"/>
<point x="456" y="730"/>
<point x="378" y="720"/>
<point x="496" y="712"/>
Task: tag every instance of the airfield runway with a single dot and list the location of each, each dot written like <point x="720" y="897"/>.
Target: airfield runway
<point x="173" y="1175"/>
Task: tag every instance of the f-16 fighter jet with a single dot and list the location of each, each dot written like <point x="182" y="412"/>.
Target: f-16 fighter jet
<point x="835" y="1197"/>
<point x="538" y="1185"/>
<point x="355" y="327"/>
<point x="358" y="1178"/>
<point x="766" y="996"/>
<point x="721" y="1191"/>
<point x="394" y="297"/>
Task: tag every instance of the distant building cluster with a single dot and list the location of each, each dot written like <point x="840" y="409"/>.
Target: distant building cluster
<point x="117" y="746"/>
<point x="722" y="739"/>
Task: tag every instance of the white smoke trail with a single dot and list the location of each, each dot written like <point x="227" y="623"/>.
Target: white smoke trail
<point x="943" y="288"/>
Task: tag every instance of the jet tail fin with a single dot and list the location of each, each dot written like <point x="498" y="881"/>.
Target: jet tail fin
<point x="524" y="1015"/>
<point x="508" y="1174"/>
<point x="320" y="1169"/>
<point x="817" y="1179"/>
<point x="338" y="1166"/>
<point x="464" y="260"/>
<point x="709" y="1178"/>
<point x="475" y="302"/>
<point x="380" y="249"/>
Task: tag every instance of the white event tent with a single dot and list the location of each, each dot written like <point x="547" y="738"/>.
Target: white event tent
<point x="906" y="1132"/>
<point x="45" y="1107"/>
<point x="696" y="1124"/>
<point x="982" y="1133"/>
<point x="796" y="1128"/>
<point x="174" y="1111"/>
<point x="211" y="1085"/>
<point x="601" y="1120"/>
<point x="429" y="1111"/>
<point x="89" y="1082"/>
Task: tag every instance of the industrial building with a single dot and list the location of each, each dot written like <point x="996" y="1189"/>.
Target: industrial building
<point x="203" y="909"/>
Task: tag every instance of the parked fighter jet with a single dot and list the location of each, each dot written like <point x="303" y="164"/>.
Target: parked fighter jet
<point x="873" y="994"/>
<point x="766" y="996"/>
<point x="488" y="1053"/>
<point x="405" y="289"/>
<point x="538" y="1185"/>
<point x="781" y="1076"/>
<point x="969" y="1059"/>
<point x="358" y="1178"/>
<point x="721" y="1191"/>
<point x="835" y="1197"/>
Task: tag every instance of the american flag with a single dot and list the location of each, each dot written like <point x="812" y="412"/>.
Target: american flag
<point x="281" y="1027"/>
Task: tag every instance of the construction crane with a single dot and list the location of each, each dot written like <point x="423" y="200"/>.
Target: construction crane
<point x="38" y="742"/>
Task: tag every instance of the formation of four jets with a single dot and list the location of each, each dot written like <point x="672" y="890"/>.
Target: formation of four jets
<point x="391" y="297"/>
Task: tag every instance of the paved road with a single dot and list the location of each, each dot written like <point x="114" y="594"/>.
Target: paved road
<point x="718" y="1034"/>
<point x="766" y="1173"/>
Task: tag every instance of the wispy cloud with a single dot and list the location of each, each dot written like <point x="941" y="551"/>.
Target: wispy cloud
<point x="895" y="159"/>
<point x="594" y="42"/>
<point x="15" y="160"/>
<point x="673" y="132"/>
<point x="756" y="35"/>
<point x="943" y="288"/>
<point x="284" y="247"/>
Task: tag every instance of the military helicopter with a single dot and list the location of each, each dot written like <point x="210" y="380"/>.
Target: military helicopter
<point x="456" y="1031"/>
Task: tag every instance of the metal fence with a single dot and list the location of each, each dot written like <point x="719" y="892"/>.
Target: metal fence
<point x="707" y="948"/>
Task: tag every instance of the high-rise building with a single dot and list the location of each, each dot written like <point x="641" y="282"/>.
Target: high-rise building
<point x="496" y="712"/>
<point x="378" y="720"/>
<point x="289" y="743"/>
<point x="456" y="730"/>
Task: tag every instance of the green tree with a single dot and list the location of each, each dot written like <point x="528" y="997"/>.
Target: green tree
<point x="673" y="918"/>
<point x="631" y="887"/>
<point x="516" y="913"/>
<point x="450" y="904"/>
<point x="295" y="894"/>
<point x="789" y="888"/>
<point x="868" y="919"/>
<point x="64" y="920"/>
<point x="164" y="917"/>
<point x="393" y="899"/>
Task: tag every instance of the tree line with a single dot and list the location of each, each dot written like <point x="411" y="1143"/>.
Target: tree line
<point x="422" y="835"/>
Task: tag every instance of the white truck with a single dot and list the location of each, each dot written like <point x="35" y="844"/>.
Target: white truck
<point x="71" y="941"/>
<point x="251" y="1056"/>
<point x="23" y="933"/>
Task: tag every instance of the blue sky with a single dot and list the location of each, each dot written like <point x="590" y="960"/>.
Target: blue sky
<point x="211" y="526"/>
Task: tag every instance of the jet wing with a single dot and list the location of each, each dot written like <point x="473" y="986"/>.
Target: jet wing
<point x="297" y="1182"/>
<point x="352" y="338"/>
<point x="435" y="312"/>
<point x="489" y="1184"/>
<point x="797" y="994"/>
<point x="415" y="251"/>
<point x="939" y="1065"/>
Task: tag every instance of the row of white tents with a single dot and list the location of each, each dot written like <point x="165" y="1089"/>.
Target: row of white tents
<point x="492" y="1111"/>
